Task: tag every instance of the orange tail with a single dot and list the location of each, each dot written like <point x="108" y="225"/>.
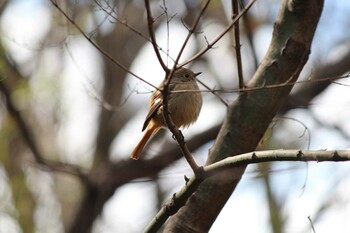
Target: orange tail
<point x="136" y="153"/>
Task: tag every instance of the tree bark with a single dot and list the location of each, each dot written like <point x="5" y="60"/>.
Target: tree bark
<point x="249" y="116"/>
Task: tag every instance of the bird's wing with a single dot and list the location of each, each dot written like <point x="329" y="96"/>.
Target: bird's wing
<point x="157" y="101"/>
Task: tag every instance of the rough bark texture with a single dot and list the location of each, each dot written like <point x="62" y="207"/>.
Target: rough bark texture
<point x="249" y="116"/>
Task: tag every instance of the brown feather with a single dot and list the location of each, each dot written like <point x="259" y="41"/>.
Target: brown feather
<point x="151" y="130"/>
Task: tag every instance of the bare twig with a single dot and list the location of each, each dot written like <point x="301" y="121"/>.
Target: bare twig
<point x="129" y="26"/>
<point x="237" y="45"/>
<point x="150" y="22"/>
<point x="167" y="32"/>
<point x="174" y="130"/>
<point x="312" y="225"/>
<point x="306" y="129"/>
<point x="271" y="86"/>
<point x="93" y="43"/>
<point x="213" y="92"/>
<point x="228" y="28"/>
<point x="180" y="198"/>
<point x="190" y="32"/>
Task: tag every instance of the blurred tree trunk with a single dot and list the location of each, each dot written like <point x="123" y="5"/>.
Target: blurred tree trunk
<point x="117" y="45"/>
<point x="13" y="150"/>
<point x="275" y="208"/>
<point x="248" y="117"/>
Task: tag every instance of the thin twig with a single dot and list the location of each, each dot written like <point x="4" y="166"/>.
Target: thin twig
<point x="271" y="86"/>
<point x="106" y="54"/>
<point x="167" y="32"/>
<point x="237" y="45"/>
<point x="180" y="198"/>
<point x="174" y="130"/>
<point x="129" y="26"/>
<point x="190" y="32"/>
<point x="150" y="22"/>
<point x="306" y="129"/>
<point x="213" y="92"/>
<point x="312" y="225"/>
<point x="228" y="28"/>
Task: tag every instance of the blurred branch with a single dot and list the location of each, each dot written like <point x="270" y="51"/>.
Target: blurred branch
<point x="332" y="126"/>
<point x="31" y="142"/>
<point x="274" y="204"/>
<point x="93" y="43"/>
<point x="127" y="25"/>
<point x="190" y="32"/>
<point x="104" y="180"/>
<point x="179" y="199"/>
<point x="237" y="45"/>
<point x="228" y="28"/>
<point x="312" y="224"/>
<point x="247" y="22"/>
<point x="3" y="4"/>
<point x="303" y="96"/>
<point x="288" y="52"/>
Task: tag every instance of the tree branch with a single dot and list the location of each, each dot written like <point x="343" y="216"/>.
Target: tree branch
<point x="250" y="115"/>
<point x="318" y="82"/>
<point x="179" y="199"/>
<point x="173" y="129"/>
<point x="93" y="43"/>
<point x="31" y="142"/>
<point x="150" y="22"/>
<point x="169" y="75"/>
<point x="237" y="45"/>
<point x="228" y="28"/>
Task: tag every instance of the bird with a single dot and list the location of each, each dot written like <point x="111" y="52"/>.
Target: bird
<point x="184" y="107"/>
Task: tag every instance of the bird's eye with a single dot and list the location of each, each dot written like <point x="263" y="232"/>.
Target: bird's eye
<point x="187" y="76"/>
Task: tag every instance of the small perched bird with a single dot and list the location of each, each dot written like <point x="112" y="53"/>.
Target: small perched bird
<point x="184" y="107"/>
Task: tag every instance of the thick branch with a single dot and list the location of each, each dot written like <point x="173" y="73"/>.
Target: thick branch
<point x="248" y="118"/>
<point x="180" y="198"/>
<point x="318" y="83"/>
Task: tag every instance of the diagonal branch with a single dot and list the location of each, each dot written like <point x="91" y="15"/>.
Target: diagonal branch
<point x="179" y="199"/>
<point x="237" y="45"/>
<point x="174" y="130"/>
<point x="190" y="32"/>
<point x="228" y="28"/>
<point x="31" y="142"/>
<point x="93" y="43"/>
<point x="150" y="22"/>
<point x="250" y="115"/>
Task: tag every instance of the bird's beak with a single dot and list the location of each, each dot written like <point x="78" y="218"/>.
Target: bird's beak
<point x="196" y="74"/>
